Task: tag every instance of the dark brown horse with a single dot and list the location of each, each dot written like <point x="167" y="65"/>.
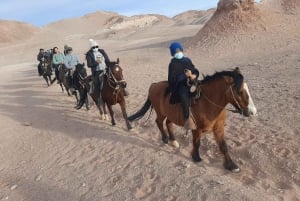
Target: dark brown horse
<point x="46" y="70"/>
<point x="208" y="110"/>
<point x="112" y="92"/>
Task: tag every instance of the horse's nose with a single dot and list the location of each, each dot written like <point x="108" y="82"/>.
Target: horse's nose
<point x="249" y="112"/>
<point x="123" y="84"/>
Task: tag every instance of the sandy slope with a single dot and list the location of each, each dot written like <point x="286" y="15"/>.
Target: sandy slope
<point x="50" y="151"/>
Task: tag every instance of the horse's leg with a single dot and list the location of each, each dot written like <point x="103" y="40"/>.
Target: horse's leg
<point x="170" y="127"/>
<point x="76" y="96"/>
<point x="196" y="145"/>
<point x="61" y="86"/>
<point x="111" y="112"/>
<point x="87" y="102"/>
<point x="159" y="121"/>
<point x="123" y="108"/>
<point x="219" y="137"/>
<point x="45" y="77"/>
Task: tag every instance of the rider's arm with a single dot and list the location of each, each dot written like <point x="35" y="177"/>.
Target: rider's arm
<point x="91" y="62"/>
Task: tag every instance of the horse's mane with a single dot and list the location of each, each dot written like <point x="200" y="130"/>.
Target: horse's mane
<point x="235" y="74"/>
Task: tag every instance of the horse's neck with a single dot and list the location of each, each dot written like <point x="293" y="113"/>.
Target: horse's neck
<point x="215" y="92"/>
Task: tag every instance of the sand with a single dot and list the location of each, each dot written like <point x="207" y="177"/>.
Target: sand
<point x="51" y="151"/>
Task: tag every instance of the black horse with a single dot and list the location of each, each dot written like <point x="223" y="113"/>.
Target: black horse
<point x="77" y="82"/>
<point x="46" y="70"/>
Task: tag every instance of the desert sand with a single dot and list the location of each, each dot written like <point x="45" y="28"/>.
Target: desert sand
<point x="50" y="151"/>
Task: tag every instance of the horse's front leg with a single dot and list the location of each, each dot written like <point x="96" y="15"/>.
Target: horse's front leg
<point x="170" y="127"/>
<point x="196" y="145"/>
<point x="219" y="137"/>
<point x="87" y="102"/>
<point x="123" y="108"/>
<point x="61" y="86"/>
<point x="111" y="112"/>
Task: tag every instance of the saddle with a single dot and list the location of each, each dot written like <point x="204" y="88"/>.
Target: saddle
<point x="195" y="92"/>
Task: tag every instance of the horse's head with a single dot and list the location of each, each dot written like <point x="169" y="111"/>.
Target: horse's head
<point x="115" y="74"/>
<point x="80" y="69"/>
<point x="239" y="95"/>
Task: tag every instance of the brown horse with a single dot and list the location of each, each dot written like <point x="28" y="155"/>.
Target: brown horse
<point x="112" y="92"/>
<point x="208" y="110"/>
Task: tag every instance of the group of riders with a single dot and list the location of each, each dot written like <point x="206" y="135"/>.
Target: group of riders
<point x="182" y="73"/>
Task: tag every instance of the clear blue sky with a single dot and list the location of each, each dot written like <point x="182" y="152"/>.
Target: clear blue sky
<point x="42" y="12"/>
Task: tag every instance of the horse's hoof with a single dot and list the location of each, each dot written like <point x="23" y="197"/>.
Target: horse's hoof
<point x="196" y="158"/>
<point x="237" y="170"/>
<point x="231" y="166"/>
<point x="107" y="118"/>
<point x="174" y="144"/>
<point x="102" y="117"/>
<point x="165" y="140"/>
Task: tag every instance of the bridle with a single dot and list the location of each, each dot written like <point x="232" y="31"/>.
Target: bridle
<point x="113" y="82"/>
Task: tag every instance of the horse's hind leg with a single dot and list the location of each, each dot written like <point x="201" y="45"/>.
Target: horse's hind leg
<point x="219" y="137"/>
<point x="170" y="128"/>
<point x="159" y="121"/>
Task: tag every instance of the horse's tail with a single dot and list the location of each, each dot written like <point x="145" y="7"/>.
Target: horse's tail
<point x="139" y="114"/>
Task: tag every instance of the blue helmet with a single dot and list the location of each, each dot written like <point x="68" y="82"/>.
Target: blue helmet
<point x="174" y="46"/>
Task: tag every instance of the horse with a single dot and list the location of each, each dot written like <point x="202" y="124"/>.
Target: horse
<point x="46" y="70"/>
<point x="207" y="110"/>
<point x="78" y="79"/>
<point x="112" y="92"/>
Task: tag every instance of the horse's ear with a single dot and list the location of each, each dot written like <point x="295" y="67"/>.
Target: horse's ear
<point x="118" y="60"/>
<point x="237" y="69"/>
<point x="83" y="64"/>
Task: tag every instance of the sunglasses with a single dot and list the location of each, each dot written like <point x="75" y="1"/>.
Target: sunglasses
<point x="94" y="47"/>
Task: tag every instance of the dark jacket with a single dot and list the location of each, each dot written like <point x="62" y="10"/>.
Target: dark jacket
<point x="176" y="74"/>
<point x="91" y="62"/>
<point x="40" y="56"/>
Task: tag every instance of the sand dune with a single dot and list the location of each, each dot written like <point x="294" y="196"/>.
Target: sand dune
<point x="11" y="31"/>
<point x="50" y="151"/>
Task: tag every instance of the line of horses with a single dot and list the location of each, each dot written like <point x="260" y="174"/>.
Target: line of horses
<point x="208" y="107"/>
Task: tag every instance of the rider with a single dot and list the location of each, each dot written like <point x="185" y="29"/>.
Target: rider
<point x="98" y="61"/>
<point x="58" y="59"/>
<point x="70" y="61"/>
<point x="181" y="72"/>
<point x="40" y="57"/>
